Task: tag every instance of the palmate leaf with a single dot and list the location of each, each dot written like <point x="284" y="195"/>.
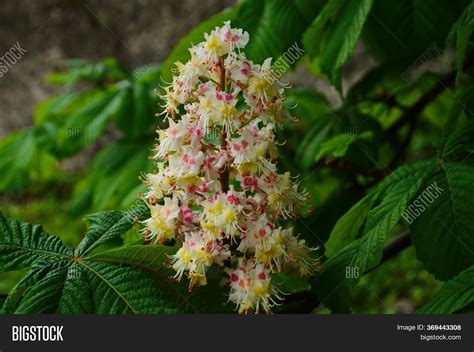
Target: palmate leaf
<point x="35" y="273"/>
<point x="331" y="284"/>
<point x="77" y="293"/>
<point x="129" y="289"/>
<point x="65" y="281"/>
<point x="22" y="244"/>
<point x="103" y="227"/>
<point x="453" y="296"/>
<point x="381" y="222"/>
<point x="43" y="295"/>
<point x="153" y="258"/>
<point x="445" y="226"/>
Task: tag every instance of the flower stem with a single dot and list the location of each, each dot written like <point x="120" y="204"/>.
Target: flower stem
<point x="224" y="178"/>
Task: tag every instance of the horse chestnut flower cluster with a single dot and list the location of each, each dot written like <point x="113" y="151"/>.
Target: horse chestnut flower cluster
<point x="216" y="189"/>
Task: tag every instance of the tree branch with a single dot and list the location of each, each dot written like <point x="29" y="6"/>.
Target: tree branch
<point x="394" y="247"/>
<point x="397" y="245"/>
<point x="413" y="111"/>
<point x="224" y="177"/>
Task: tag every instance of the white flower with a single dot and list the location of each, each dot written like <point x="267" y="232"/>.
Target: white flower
<point x="298" y="254"/>
<point x="195" y="257"/>
<point x="171" y="139"/>
<point x="162" y="223"/>
<point x="250" y="151"/>
<point x="282" y="193"/>
<point x="186" y="165"/>
<point x="221" y="214"/>
<point x="251" y="288"/>
<point x="217" y="108"/>
<point x="159" y="185"/>
<point x="238" y="68"/>
<point x="235" y="37"/>
<point x="262" y="89"/>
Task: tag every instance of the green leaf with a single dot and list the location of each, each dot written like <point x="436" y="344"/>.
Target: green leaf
<point x="154" y="258"/>
<point x="109" y="68"/>
<point x="313" y="140"/>
<point x="275" y="27"/>
<point x="123" y="290"/>
<point x="137" y="119"/>
<point x="443" y="226"/>
<point x="3" y="298"/>
<point x="23" y="244"/>
<point x="338" y="145"/>
<point x="76" y="297"/>
<point x="454" y="295"/>
<point x="332" y="36"/>
<point x="381" y="222"/>
<point x="87" y="123"/>
<point x="361" y="255"/>
<point x="330" y="284"/>
<point x="48" y="109"/>
<point x="410" y="32"/>
<point x="17" y="153"/>
<point x="460" y="34"/>
<point x="67" y="282"/>
<point x="103" y="226"/>
<point x="349" y="225"/>
<point x="312" y="109"/>
<point x="14" y="296"/>
<point x="181" y="50"/>
<point x="43" y="296"/>
<point x="461" y="140"/>
<point x="113" y="177"/>
<point x="306" y="104"/>
<point x="147" y="74"/>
